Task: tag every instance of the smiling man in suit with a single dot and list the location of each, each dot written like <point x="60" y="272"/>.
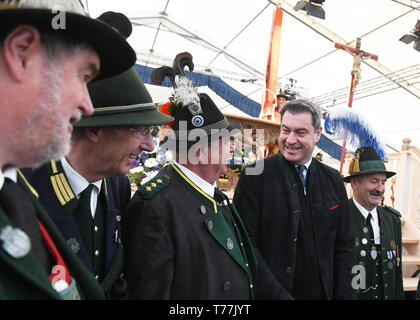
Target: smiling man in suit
<point x="296" y="213"/>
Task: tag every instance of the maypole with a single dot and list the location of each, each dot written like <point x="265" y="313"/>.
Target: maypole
<point x="358" y="56"/>
<point x="267" y="112"/>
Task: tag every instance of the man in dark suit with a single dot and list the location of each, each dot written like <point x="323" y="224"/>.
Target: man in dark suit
<point x="296" y="213"/>
<point x="377" y="229"/>
<point x="182" y="237"/>
<point x="86" y="191"/>
<point x="43" y="76"/>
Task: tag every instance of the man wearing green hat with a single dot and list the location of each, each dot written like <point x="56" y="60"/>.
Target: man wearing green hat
<point x="182" y="237"/>
<point x="86" y="191"/>
<point x="377" y="230"/>
<point x="49" y="51"/>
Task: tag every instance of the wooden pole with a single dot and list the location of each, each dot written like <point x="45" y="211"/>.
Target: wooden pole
<point x="358" y="56"/>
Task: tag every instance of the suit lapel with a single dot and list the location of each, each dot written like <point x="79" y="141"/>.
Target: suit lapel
<point x="247" y="242"/>
<point x="224" y="235"/>
<point x="290" y="178"/>
<point x="215" y="223"/>
<point x="90" y="287"/>
<point x="357" y="215"/>
<point x="27" y="266"/>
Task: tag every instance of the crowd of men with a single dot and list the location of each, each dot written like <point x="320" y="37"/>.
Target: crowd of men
<point x="76" y="115"/>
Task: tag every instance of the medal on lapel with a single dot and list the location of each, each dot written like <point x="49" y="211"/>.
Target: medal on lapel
<point x="373" y="252"/>
<point x="15" y="242"/>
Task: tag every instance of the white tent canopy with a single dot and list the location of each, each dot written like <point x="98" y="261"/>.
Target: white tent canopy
<point x="231" y="38"/>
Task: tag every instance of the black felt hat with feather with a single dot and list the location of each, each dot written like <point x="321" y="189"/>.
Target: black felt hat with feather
<point x="197" y="118"/>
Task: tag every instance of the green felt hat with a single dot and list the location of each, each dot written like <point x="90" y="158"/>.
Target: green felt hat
<point x="68" y="18"/>
<point x="365" y="161"/>
<point x="122" y="100"/>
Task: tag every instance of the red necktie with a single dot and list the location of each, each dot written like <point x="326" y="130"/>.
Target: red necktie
<point x="59" y="271"/>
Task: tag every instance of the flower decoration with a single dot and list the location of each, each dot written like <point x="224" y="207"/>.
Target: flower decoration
<point x="147" y="165"/>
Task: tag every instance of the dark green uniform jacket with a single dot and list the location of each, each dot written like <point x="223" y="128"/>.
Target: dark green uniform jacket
<point x="24" y="278"/>
<point x="180" y="244"/>
<point x="384" y="273"/>
<point x="61" y="203"/>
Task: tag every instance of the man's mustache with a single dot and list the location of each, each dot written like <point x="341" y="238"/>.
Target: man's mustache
<point x="376" y="193"/>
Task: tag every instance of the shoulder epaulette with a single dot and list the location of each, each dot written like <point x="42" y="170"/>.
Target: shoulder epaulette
<point x="153" y="186"/>
<point x="390" y="209"/>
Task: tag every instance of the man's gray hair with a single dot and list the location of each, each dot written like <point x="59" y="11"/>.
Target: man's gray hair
<point x="302" y="105"/>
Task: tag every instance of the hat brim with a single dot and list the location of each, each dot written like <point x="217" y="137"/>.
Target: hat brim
<point x="173" y="141"/>
<point x="387" y="173"/>
<point x="149" y="117"/>
<point x="115" y="54"/>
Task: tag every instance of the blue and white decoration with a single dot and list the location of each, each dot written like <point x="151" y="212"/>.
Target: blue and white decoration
<point x="347" y="124"/>
<point x="197" y="121"/>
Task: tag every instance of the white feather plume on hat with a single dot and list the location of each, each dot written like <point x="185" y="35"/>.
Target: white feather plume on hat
<point x="186" y="94"/>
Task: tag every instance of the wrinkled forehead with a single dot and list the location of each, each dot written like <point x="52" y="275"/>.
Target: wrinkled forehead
<point x="296" y="120"/>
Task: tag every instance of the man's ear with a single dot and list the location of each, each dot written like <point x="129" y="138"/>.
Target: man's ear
<point x="19" y="48"/>
<point x="92" y="133"/>
<point x="318" y="134"/>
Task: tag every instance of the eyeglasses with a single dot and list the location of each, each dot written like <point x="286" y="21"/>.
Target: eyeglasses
<point x="141" y="133"/>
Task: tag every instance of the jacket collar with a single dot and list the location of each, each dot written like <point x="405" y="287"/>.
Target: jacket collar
<point x="190" y="185"/>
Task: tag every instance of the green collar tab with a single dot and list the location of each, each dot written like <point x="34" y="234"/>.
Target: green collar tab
<point x="153" y="186"/>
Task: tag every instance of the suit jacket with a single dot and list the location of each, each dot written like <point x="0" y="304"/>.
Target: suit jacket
<point x="391" y="252"/>
<point x="178" y="245"/>
<point x="56" y="195"/>
<point x="269" y="204"/>
<point x="24" y="278"/>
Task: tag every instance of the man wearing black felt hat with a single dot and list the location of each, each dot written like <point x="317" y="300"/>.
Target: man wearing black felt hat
<point x="377" y="229"/>
<point x="182" y="237"/>
<point x="49" y="51"/>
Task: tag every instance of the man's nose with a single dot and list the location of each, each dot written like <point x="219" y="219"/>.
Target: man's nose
<point x="291" y="138"/>
<point x="147" y="143"/>
<point x="86" y="106"/>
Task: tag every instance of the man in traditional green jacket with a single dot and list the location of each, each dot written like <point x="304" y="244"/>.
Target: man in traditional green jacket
<point x="49" y="51"/>
<point x="182" y="237"/>
<point x="377" y="229"/>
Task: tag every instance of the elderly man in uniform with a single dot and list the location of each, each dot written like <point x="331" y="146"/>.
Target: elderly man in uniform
<point x="86" y="191"/>
<point x="49" y="51"/>
<point x="296" y="212"/>
<point x="377" y="229"/>
<point x="182" y="237"/>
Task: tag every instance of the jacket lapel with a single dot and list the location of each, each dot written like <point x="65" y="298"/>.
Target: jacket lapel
<point x="27" y="266"/>
<point x="90" y="289"/>
<point x="246" y="240"/>
<point x="290" y="177"/>
<point x="215" y="223"/>
<point x="219" y="229"/>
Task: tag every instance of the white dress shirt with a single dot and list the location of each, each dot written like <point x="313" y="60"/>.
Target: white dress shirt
<point x="198" y="181"/>
<point x="374" y="221"/>
<point x="10" y="173"/>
